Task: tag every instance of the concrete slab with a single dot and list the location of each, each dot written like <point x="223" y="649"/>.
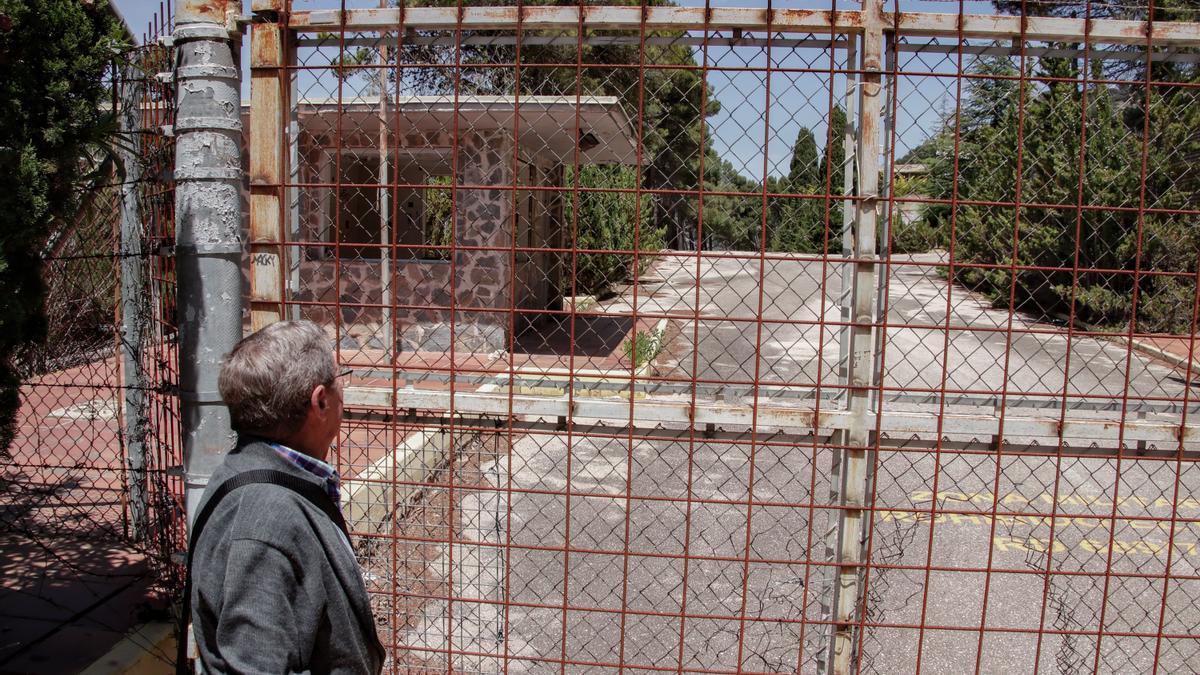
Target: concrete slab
<point x="64" y="602"/>
<point x="149" y="649"/>
<point x="657" y="549"/>
<point x="64" y="649"/>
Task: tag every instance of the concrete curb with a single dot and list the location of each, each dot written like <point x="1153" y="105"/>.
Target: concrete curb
<point x="140" y="652"/>
<point x="557" y="378"/>
<point x="1143" y="347"/>
<point x="369" y="495"/>
<point x="1164" y="355"/>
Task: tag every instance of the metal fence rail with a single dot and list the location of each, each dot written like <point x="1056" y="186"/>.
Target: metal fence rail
<point x="710" y="339"/>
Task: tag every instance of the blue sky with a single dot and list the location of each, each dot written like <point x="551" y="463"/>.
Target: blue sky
<point x="739" y="131"/>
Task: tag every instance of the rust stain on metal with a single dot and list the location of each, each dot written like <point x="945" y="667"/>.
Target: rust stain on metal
<point x="213" y="11"/>
<point x="792" y="418"/>
<point x="499" y="13"/>
<point x="267" y="6"/>
<point x="264" y="46"/>
<point x="1181" y="433"/>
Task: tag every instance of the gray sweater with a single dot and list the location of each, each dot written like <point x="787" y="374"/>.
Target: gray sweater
<point x="275" y="585"/>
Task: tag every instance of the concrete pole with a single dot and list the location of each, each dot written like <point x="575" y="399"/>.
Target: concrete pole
<point x="208" y="248"/>
<point x="134" y="315"/>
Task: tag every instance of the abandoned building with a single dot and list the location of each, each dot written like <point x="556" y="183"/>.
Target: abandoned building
<point x="371" y="217"/>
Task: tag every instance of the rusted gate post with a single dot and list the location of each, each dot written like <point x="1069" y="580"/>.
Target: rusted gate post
<point x="208" y="248"/>
<point x="269" y="90"/>
<point x="856" y="439"/>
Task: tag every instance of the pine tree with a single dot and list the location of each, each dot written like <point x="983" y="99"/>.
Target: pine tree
<point x="985" y="170"/>
<point x="1170" y="241"/>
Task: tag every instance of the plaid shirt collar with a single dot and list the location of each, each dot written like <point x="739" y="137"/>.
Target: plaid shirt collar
<point x="314" y="466"/>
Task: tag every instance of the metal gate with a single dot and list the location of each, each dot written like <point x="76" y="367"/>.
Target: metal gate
<point x="712" y="339"/>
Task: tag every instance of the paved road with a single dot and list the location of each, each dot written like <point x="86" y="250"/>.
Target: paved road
<point x="718" y="531"/>
<point x="918" y="346"/>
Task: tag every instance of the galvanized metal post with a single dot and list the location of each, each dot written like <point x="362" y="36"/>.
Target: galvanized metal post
<point x="848" y="168"/>
<point x="134" y="314"/>
<point x="208" y="249"/>
<point x="387" y="292"/>
<point x="885" y="220"/>
<point x="845" y="294"/>
<point x="857" y="438"/>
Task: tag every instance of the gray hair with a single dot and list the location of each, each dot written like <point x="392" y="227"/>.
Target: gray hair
<point x="268" y="378"/>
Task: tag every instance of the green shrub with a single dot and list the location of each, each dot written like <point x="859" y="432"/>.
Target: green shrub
<point x="642" y="347"/>
<point x="914" y="236"/>
<point x="609" y="221"/>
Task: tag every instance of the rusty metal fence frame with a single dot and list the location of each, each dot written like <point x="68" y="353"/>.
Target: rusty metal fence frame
<point x="430" y="450"/>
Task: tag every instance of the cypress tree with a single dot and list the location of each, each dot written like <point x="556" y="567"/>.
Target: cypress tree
<point x="797" y="224"/>
<point x="804" y="168"/>
<point x="834" y="158"/>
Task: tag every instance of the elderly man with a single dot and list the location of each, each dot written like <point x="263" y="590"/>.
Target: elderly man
<point x="275" y="584"/>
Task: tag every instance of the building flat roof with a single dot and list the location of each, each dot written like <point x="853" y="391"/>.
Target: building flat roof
<point x="543" y="123"/>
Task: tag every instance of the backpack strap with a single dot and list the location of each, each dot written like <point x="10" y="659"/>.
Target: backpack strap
<point x="309" y="491"/>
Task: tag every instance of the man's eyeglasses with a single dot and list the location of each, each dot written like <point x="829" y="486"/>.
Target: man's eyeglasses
<point x="342" y="375"/>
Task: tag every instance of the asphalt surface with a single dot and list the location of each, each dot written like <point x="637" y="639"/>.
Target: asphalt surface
<point x="730" y="536"/>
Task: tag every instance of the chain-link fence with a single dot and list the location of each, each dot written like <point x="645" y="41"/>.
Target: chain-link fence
<point x="87" y="470"/>
<point x="710" y="339"/>
<point x="696" y="339"/>
<point x="150" y="322"/>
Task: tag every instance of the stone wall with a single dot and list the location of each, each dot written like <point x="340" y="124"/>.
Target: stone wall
<point x="483" y="218"/>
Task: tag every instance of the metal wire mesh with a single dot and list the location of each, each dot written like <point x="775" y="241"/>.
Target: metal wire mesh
<point x="633" y="390"/>
<point x="152" y="342"/>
